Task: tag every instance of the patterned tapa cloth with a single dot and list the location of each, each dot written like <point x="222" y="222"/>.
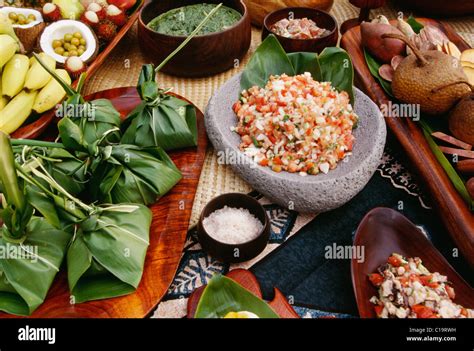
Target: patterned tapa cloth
<point x="290" y="262"/>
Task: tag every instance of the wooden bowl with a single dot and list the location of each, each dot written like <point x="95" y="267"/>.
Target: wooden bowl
<point x="258" y="9"/>
<point x="204" y="55"/>
<point x="440" y="8"/>
<point x="322" y="19"/>
<point x="384" y="231"/>
<point x="227" y="252"/>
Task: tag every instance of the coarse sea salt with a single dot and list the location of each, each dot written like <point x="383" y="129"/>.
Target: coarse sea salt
<point x="232" y="225"/>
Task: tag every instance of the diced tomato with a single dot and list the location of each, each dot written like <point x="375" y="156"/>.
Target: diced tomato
<point x="277" y="161"/>
<point x="394" y="261"/>
<point x="264" y="162"/>
<point x="422" y="311"/>
<point x="237" y="106"/>
<point x="378" y="310"/>
<point x="376" y="279"/>
<point x="464" y="312"/>
<point x="450" y="291"/>
<point x="404" y="281"/>
<point x="415" y="278"/>
<point x="425" y="279"/>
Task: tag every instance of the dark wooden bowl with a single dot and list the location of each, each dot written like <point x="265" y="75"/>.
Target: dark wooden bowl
<point x="440" y="8"/>
<point x="227" y="252"/>
<point x="384" y="231"/>
<point x="322" y="19"/>
<point x="204" y="55"/>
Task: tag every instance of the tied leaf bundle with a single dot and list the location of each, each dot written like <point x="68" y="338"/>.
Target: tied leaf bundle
<point x="31" y="248"/>
<point x="161" y="119"/>
<point x="68" y="170"/>
<point x="128" y="173"/>
<point x="107" y="252"/>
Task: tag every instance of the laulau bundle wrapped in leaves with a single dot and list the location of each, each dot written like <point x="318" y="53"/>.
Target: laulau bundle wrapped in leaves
<point x="31" y="249"/>
<point x="129" y="173"/>
<point x="161" y="119"/>
<point x="109" y="243"/>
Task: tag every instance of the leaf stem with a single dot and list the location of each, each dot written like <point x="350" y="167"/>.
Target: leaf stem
<point x="8" y="175"/>
<point x="38" y="143"/>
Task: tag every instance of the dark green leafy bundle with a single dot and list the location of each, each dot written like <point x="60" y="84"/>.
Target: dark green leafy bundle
<point x="129" y="173"/>
<point x="32" y="249"/>
<point x="333" y="65"/>
<point x="161" y="119"/>
<point x="223" y="295"/>
<point x="107" y="253"/>
<point x="68" y="170"/>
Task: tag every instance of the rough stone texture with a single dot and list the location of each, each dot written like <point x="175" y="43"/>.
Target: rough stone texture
<point x="313" y="193"/>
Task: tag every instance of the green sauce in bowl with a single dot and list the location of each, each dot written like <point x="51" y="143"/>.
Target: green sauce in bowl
<point x="182" y="21"/>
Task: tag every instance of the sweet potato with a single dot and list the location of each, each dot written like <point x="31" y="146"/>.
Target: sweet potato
<point x="384" y="49"/>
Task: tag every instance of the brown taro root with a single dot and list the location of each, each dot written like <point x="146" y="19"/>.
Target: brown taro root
<point x="384" y="49"/>
<point x="431" y="79"/>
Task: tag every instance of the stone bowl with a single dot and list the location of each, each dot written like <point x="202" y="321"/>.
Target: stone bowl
<point x="312" y="193"/>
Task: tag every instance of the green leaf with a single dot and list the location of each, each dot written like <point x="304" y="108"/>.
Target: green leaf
<point x="269" y="59"/>
<point x="28" y="279"/>
<point x="336" y="67"/>
<point x="447" y="166"/>
<point x="306" y="62"/>
<point x="168" y="122"/>
<point x="135" y="175"/>
<point x="222" y="295"/>
<point x="414" y="24"/>
<point x="374" y="67"/>
<point x="107" y="257"/>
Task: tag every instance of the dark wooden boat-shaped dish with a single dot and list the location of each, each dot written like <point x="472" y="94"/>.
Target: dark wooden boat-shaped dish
<point x="452" y="209"/>
<point x="167" y="236"/>
<point x="248" y="280"/>
<point x="440" y="8"/>
<point x="384" y="231"/>
<point x="36" y="128"/>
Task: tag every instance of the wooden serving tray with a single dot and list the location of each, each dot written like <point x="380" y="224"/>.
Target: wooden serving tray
<point x="36" y="128"/>
<point x="384" y="231"/>
<point x="452" y="209"/>
<point x="169" y="228"/>
<point x="248" y="280"/>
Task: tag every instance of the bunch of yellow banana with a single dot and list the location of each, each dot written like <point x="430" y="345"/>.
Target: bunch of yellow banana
<point x="26" y="86"/>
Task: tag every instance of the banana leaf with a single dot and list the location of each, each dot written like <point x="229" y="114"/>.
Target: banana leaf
<point x="69" y="171"/>
<point x="129" y="173"/>
<point x="336" y="67"/>
<point x="31" y="249"/>
<point x="107" y="253"/>
<point x="26" y="278"/>
<point x="223" y="295"/>
<point x="161" y="119"/>
<point x="333" y="65"/>
<point x="374" y="67"/>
